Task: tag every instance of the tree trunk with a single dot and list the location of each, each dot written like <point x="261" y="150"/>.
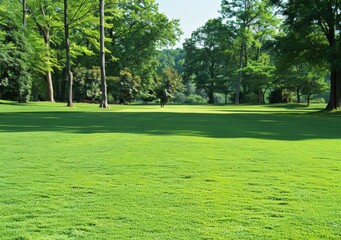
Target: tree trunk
<point x="50" y="94"/>
<point x="298" y="95"/>
<point x="263" y="93"/>
<point x="63" y="86"/>
<point x="22" y="96"/>
<point x="239" y="79"/>
<point x="260" y="95"/>
<point x="68" y="56"/>
<point x="308" y="100"/>
<point x="211" y="97"/>
<point x="104" y="100"/>
<point x="335" y="77"/>
<point x="225" y="98"/>
<point x="335" y="91"/>
<point x="24" y="13"/>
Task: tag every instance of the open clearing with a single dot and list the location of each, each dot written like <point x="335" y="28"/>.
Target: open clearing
<point x="183" y="172"/>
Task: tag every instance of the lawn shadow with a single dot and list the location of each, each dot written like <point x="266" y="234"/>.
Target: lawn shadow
<point x="236" y="124"/>
<point x="294" y="106"/>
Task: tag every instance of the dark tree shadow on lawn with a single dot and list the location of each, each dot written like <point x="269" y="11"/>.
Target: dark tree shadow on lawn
<point x="273" y="126"/>
<point x="295" y="106"/>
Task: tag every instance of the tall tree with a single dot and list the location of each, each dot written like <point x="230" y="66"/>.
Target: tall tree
<point x="80" y="29"/>
<point x="260" y="75"/>
<point x="104" y="100"/>
<point x="15" y="56"/>
<point x="167" y="84"/>
<point x="23" y="91"/>
<point x="314" y="27"/>
<point x="137" y="34"/>
<point x="253" y="21"/>
<point x="207" y="55"/>
<point x="46" y="16"/>
<point x="67" y="50"/>
<point x="126" y="87"/>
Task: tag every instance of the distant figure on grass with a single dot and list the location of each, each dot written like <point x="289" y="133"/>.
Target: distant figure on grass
<point x="164" y="97"/>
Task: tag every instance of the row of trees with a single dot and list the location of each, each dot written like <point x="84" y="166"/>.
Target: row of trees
<point x="55" y="50"/>
<point x="257" y="48"/>
<point x="252" y="49"/>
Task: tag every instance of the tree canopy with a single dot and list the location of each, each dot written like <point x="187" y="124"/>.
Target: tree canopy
<point x="120" y="51"/>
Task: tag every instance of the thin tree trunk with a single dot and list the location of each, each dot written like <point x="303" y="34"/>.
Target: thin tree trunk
<point x="68" y="56"/>
<point x="260" y="95"/>
<point x="308" y="100"/>
<point x="104" y="100"/>
<point x="237" y="99"/>
<point x="263" y="93"/>
<point x="63" y="86"/>
<point x="298" y="95"/>
<point x="45" y="32"/>
<point x="24" y="13"/>
<point x="50" y="94"/>
<point x="22" y="96"/>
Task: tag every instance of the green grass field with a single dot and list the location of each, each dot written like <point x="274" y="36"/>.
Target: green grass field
<point x="182" y="172"/>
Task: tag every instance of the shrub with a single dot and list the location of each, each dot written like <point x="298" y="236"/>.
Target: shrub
<point x="318" y="100"/>
<point x="219" y="98"/>
<point x="195" y="99"/>
<point x="179" y="97"/>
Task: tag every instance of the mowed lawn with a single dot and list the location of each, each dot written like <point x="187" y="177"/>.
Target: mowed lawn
<point x="182" y="172"/>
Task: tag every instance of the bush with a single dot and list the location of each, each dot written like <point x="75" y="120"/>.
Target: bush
<point x="195" y="99"/>
<point x="318" y="100"/>
<point x="219" y="98"/>
<point x="179" y="97"/>
<point x="87" y="84"/>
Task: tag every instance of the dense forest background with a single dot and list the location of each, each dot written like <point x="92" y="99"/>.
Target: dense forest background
<point x="258" y="51"/>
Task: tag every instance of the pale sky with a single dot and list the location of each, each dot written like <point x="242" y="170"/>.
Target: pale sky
<point x="192" y="13"/>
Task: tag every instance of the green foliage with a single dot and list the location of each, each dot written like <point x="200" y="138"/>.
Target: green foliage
<point x="15" y="61"/>
<point x="255" y="24"/>
<point x="87" y="84"/>
<point x="168" y="83"/>
<point x="207" y="56"/>
<point x="136" y="35"/>
<point x="45" y="24"/>
<point x="195" y="99"/>
<point x="235" y="55"/>
<point x="126" y="88"/>
<point x="314" y="84"/>
<point x="181" y="98"/>
<point x="259" y="76"/>
<point x="148" y="95"/>
<point x="314" y="28"/>
<point x="174" y="58"/>
<point x="302" y="78"/>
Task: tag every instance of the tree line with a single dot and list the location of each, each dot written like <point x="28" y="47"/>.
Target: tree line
<point x="82" y="50"/>
<point x="259" y="50"/>
<point x="256" y="51"/>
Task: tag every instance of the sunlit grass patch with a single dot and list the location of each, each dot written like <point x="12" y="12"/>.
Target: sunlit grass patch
<point x="182" y="172"/>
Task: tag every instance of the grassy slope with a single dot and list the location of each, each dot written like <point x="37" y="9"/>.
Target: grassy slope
<point x="183" y="172"/>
